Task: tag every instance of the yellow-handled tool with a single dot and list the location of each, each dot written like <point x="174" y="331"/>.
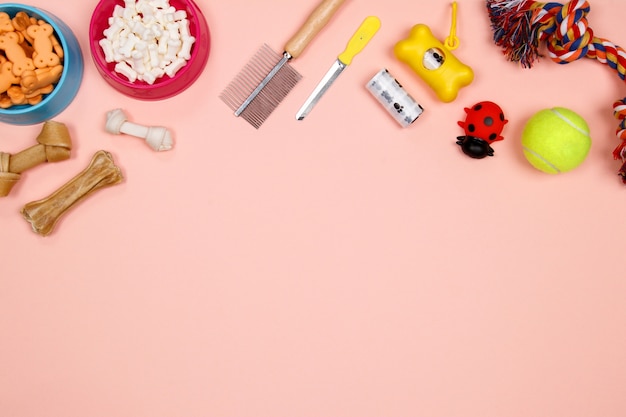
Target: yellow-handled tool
<point x="267" y="78"/>
<point x="361" y="37"/>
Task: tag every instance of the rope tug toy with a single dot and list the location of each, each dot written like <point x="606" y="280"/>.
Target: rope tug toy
<point x="519" y="27"/>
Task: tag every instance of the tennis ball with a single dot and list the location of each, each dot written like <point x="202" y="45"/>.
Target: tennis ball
<point x="556" y="140"/>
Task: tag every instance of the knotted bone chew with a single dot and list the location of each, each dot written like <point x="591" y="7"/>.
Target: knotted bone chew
<point x="54" y="145"/>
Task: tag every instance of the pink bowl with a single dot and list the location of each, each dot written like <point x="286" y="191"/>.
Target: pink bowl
<point x="165" y="86"/>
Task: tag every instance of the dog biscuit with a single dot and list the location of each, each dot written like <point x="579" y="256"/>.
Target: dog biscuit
<point x="7" y="78"/>
<point x="44" y="55"/>
<point x="9" y="43"/>
<point x="16" y="95"/>
<point x="36" y="96"/>
<point x="5" y="23"/>
<point x="39" y="78"/>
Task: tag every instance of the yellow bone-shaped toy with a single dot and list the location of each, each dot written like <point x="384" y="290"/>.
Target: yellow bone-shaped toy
<point x="434" y="63"/>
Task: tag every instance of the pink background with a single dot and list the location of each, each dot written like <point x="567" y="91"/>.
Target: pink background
<point x="339" y="266"/>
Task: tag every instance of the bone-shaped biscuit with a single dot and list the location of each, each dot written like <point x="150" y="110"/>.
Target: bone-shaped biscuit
<point x="10" y="44"/>
<point x="16" y="95"/>
<point x="44" y="55"/>
<point x="7" y="78"/>
<point x="37" y="96"/>
<point x="5" y="23"/>
<point x="5" y="101"/>
<point x="18" y="98"/>
<point x="40" y="78"/>
<point x="21" y="21"/>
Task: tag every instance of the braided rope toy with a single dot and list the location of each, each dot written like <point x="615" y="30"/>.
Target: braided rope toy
<point x="619" y="111"/>
<point x="520" y="26"/>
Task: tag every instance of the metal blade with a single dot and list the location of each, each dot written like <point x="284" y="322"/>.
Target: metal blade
<point x="321" y="88"/>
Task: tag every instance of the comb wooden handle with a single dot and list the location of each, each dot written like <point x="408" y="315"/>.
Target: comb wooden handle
<point x="315" y="22"/>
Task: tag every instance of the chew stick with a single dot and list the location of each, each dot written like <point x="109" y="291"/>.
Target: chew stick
<point x="44" y="214"/>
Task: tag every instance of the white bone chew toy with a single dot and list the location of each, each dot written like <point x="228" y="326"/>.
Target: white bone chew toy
<point x="159" y="138"/>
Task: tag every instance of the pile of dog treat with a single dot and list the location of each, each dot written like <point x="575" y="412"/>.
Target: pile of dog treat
<point x="31" y="59"/>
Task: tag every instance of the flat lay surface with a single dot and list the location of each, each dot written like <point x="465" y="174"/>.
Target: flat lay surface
<point x="339" y="265"/>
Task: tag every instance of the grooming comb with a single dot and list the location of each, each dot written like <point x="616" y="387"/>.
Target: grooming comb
<point x="267" y="78"/>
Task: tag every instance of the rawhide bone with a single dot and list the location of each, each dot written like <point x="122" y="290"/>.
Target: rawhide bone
<point x="54" y="145"/>
<point x="44" y="214"/>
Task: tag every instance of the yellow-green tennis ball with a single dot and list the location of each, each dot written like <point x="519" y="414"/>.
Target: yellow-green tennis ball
<point x="556" y="140"/>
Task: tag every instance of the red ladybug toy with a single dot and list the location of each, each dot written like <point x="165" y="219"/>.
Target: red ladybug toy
<point x="483" y="125"/>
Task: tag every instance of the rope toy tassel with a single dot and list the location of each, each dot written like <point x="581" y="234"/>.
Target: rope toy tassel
<point x="514" y="29"/>
<point x="520" y="26"/>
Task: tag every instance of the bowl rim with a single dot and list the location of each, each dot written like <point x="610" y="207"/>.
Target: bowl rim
<point x="50" y="19"/>
<point x="199" y="54"/>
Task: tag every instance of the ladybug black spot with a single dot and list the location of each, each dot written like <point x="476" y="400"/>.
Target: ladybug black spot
<point x="493" y="137"/>
<point x="471" y="128"/>
<point x="488" y="121"/>
<point x="478" y="107"/>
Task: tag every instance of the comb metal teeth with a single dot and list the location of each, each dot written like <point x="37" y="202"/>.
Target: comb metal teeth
<point x="238" y="92"/>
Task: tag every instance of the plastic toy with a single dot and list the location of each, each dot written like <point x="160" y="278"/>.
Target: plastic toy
<point x="157" y="137"/>
<point x="483" y="125"/>
<point x="520" y="26"/>
<point x="434" y="62"/>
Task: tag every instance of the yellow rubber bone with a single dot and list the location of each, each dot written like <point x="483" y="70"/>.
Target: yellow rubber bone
<point x="434" y="63"/>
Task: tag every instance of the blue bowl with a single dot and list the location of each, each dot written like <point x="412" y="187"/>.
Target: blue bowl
<point x="71" y="77"/>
